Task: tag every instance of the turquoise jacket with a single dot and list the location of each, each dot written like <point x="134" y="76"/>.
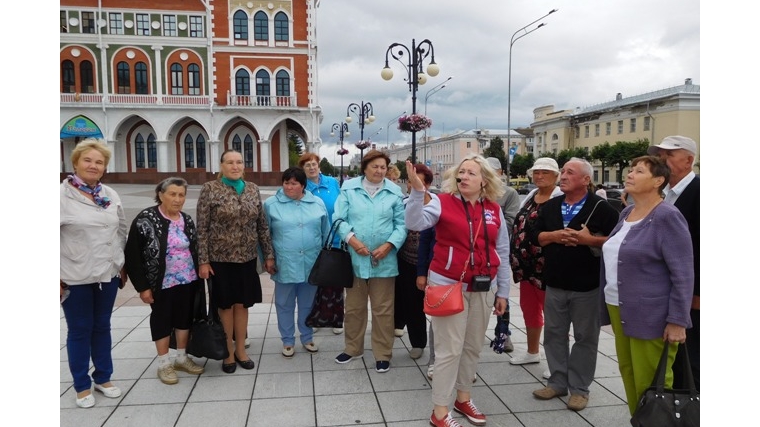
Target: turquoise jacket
<point x="374" y="221"/>
<point x="299" y="228"/>
<point x="327" y="190"/>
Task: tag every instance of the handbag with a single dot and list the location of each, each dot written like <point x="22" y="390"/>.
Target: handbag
<point x="333" y="265"/>
<point x="595" y="250"/>
<point x="663" y="407"/>
<point x="207" y="338"/>
<point x="328" y="308"/>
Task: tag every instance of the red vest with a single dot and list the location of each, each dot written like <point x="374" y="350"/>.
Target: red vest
<point x="452" y="245"/>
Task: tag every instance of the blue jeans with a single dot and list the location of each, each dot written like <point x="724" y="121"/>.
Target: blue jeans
<point x="88" y="317"/>
<point x="285" y="297"/>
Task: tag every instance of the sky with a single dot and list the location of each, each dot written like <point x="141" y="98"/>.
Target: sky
<point x="588" y="51"/>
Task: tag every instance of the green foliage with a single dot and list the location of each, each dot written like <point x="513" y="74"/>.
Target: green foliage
<point x="496" y="149"/>
<point x="295" y="149"/>
<point x="326" y="168"/>
<point x="623" y="152"/>
<point x="401" y="165"/>
<point x="520" y="164"/>
<point x="602" y="153"/>
<point x="565" y="155"/>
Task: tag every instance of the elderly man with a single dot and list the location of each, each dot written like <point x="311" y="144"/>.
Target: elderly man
<point x="683" y="191"/>
<point x="566" y="227"/>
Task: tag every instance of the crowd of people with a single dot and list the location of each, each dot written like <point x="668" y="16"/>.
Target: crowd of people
<point x="578" y="264"/>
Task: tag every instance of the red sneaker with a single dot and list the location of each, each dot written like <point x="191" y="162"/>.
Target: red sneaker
<point x="471" y="412"/>
<point x="447" y="421"/>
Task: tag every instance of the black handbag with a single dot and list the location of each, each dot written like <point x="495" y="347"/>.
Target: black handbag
<point x="207" y="338"/>
<point x="333" y="265"/>
<point x="661" y="407"/>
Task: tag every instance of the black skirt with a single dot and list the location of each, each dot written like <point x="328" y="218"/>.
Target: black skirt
<point x="235" y="283"/>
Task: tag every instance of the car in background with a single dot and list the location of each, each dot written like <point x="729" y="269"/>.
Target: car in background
<point x="526" y="188"/>
<point x="614" y="196"/>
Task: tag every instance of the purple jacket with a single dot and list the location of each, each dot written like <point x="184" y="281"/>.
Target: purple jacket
<point x="655" y="274"/>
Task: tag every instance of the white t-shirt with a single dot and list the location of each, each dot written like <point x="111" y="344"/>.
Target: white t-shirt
<point x="602" y="193"/>
<point x="611" y="250"/>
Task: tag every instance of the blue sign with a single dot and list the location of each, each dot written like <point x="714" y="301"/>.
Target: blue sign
<point x="512" y="151"/>
<point x="427" y="163"/>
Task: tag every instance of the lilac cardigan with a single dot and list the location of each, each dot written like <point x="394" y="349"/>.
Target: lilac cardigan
<point x="655" y="274"/>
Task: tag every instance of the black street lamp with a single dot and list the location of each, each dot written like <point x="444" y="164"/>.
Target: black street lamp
<point x="414" y="74"/>
<point x="366" y="116"/>
<point x="342" y="129"/>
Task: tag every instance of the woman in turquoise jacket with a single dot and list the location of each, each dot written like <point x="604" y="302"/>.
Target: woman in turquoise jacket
<point x="298" y="223"/>
<point x="372" y="209"/>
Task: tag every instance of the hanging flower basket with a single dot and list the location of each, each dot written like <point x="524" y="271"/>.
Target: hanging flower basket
<point x="414" y="123"/>
<point x="342" y="152"/>
<point x="362" y="145"/>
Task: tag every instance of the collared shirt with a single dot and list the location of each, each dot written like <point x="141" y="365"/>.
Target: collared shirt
<point x="671" y="194"/>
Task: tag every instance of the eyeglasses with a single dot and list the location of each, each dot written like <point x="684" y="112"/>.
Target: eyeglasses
<point x="311" y="165"/>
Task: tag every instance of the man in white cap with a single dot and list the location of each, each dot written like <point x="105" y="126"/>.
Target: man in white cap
<point x="682" y="190"/>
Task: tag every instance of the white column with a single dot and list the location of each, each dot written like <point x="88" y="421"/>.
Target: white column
<point x="266" y="155"/>
<point x="112" y="163"/>
<point x="159" y="74"/>
<point x="214" y="156"/>
<point x="162" y="156"/>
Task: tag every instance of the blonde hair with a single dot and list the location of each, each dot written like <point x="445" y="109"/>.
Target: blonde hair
<point x="493" y="188"/>
<point x="87" y="145"/>
<point x="393" y="173"/>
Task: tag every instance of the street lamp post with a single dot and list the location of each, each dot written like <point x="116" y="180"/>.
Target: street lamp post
<point x="342" y="129"/>
<point x="430" y="93"/>
<point x="414" y="74"/>
<point x="509" y="84"/>
<point x="365" y="114"/>
<point x="388" y="127"/>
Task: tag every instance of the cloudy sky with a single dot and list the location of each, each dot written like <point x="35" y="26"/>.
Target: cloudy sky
<point x="588" y="51"/>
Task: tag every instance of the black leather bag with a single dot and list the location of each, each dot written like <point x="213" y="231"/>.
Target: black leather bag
<point x="333" y="265"/>
<point x="661" y="407"/>
<point x="207" y="337"/>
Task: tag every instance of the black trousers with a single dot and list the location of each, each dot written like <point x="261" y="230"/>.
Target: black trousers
<point x="692" y="341"/>
<point x="408" y="305"/>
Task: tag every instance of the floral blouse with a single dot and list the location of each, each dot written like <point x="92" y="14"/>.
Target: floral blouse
<point x="180" y="269"/>
<point x="526" y="259"/>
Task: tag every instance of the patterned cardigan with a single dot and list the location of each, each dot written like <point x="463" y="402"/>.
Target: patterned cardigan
<point x="231" y="226"/>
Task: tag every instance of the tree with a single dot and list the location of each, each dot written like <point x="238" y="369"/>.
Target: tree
<point x="565" y="155"/>
<point x="496" y="149"/>
<point x="602" y="153"/>
<point x="520" y="164"/>
<point x="295" y="149"/>
<point x="401" y="165"/>
<point x="623" y="152"/>
<point x="326" y="168"/>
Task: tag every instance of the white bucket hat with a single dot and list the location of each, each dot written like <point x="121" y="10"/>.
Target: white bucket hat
<point x="544" y="164"/>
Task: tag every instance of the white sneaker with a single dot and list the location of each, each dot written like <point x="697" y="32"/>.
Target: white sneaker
<point x="430" y="372"/>
<point x="398" y="332"/>
<point x="526" y="358"/>
<point x="337" y="331"/>
<point x="547" y="374"/>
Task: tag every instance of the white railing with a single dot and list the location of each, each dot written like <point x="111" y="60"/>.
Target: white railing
<point x="82" y="97"/>
<point x="185" y="100"/>
<point x="120" y="98"/>
<point x="261" y="101"/>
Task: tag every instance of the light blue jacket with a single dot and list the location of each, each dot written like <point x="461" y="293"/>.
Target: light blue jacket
<point x="374" y="221"/>
<point x="327" y="190"/>
<point x="299" y="228"/>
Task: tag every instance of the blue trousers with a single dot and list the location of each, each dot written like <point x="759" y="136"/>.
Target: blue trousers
<point x="88" y="318"/>
<point x="286" y="296"/>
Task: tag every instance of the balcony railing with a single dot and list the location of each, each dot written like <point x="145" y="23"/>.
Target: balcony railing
<point x="261" y="101"/>
<point x="254" y="101"/>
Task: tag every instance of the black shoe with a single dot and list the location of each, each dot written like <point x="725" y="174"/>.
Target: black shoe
<point x="229" y="367"/>
<point x="245" y="364"/>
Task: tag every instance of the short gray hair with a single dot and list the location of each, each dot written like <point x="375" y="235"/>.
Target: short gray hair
<point x="585" y="165"/>
<point x="164" y="185"/>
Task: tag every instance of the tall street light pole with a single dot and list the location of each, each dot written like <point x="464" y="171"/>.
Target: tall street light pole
<point x="388" y="127"/>
<point x="512" y="41"/>
<point x="342" y="129"/>
<point x="414" y="74"/>
<point x="365" y="114"/>
<point x="430" y="93"/>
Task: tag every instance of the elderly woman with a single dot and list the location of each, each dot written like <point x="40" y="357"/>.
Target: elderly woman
<point x="327" y="189"/>
<point x="647" y="275"/>
<point x="161" y="259"/>
<point x="469" y="203"/>
<point x="372" y="210"/>
<point x="526" y="258"/>
<point x="93" y="234"/>
<point x="231" y="225"/>
<point x="299" y="226"/>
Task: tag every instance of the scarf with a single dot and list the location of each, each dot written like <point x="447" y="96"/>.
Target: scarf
<point x="77" y="182"/>
<point x="237" y="184"/>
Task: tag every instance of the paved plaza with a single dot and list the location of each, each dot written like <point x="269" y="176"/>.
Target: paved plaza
<point x="311" y="389"/>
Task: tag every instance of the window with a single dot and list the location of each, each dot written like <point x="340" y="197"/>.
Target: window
<point x="577" y="132"/>
<point x="88" y="22"/>
<point x="200" y="144"/>
<point x="236" y="144"/>
<point x="620" y="126"/>
<point x="281" y="27"/>
<point x="240" y="25"/>
<point x="189" y="154"/>
<point x="242" y="83"/>
<point x="143" y="24"/>
<point x="248" y="152"/>
<point x="469" y="144"/>
<point x="115" y="23"/>
<point x="283" y="84"/>
<point x="647" y="122"/>
<point x="64" y="22"/>
<point x="596" y="129"/>
<point x="139" y="151"/>
<point x="193" y="79"/>
<point x="260" y="26"/>
<point x="608" y="128"/>
<point x="170" y="26"/>
<point x="633" y="125"/>
<point x="67" y="77"/>
<point x="141" y="78"/>
<point x="196" y="26"/>
<point x="585" y="131"/>
<point x="262" y="87"/>
<point x="122" y="78"/>
<point x="176" y="73"/>
<point x="85" y="77"/>
<point x="152" y="151"/>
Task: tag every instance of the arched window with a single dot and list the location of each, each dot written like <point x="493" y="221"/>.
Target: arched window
<point x="141" y="78"/>
<point x="193" y="79"/>
<point x="200" y="144"/>
<point x="139" y="151"/>
<point x="85" y="77"/>
<point x="555" y="137"/>
<point x="242" y="82"/>
<point x="122" y="78"/>
<point x="176" y="73"/>
<point x="248" y="152"/>
<point x="260" y="26"/>
<point x="281" y="27"/>
<point x="152" y="163"/>
<point x="262" y="87"/>
<point x="236" y="144"/>
<point x="240" y="25"/>
<point x="189" y="145"/>
<point x="282" y="86"/>
<point x="67" y="77"/>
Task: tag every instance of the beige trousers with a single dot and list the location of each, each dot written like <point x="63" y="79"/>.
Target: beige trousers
<point x="381" y="293"/>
